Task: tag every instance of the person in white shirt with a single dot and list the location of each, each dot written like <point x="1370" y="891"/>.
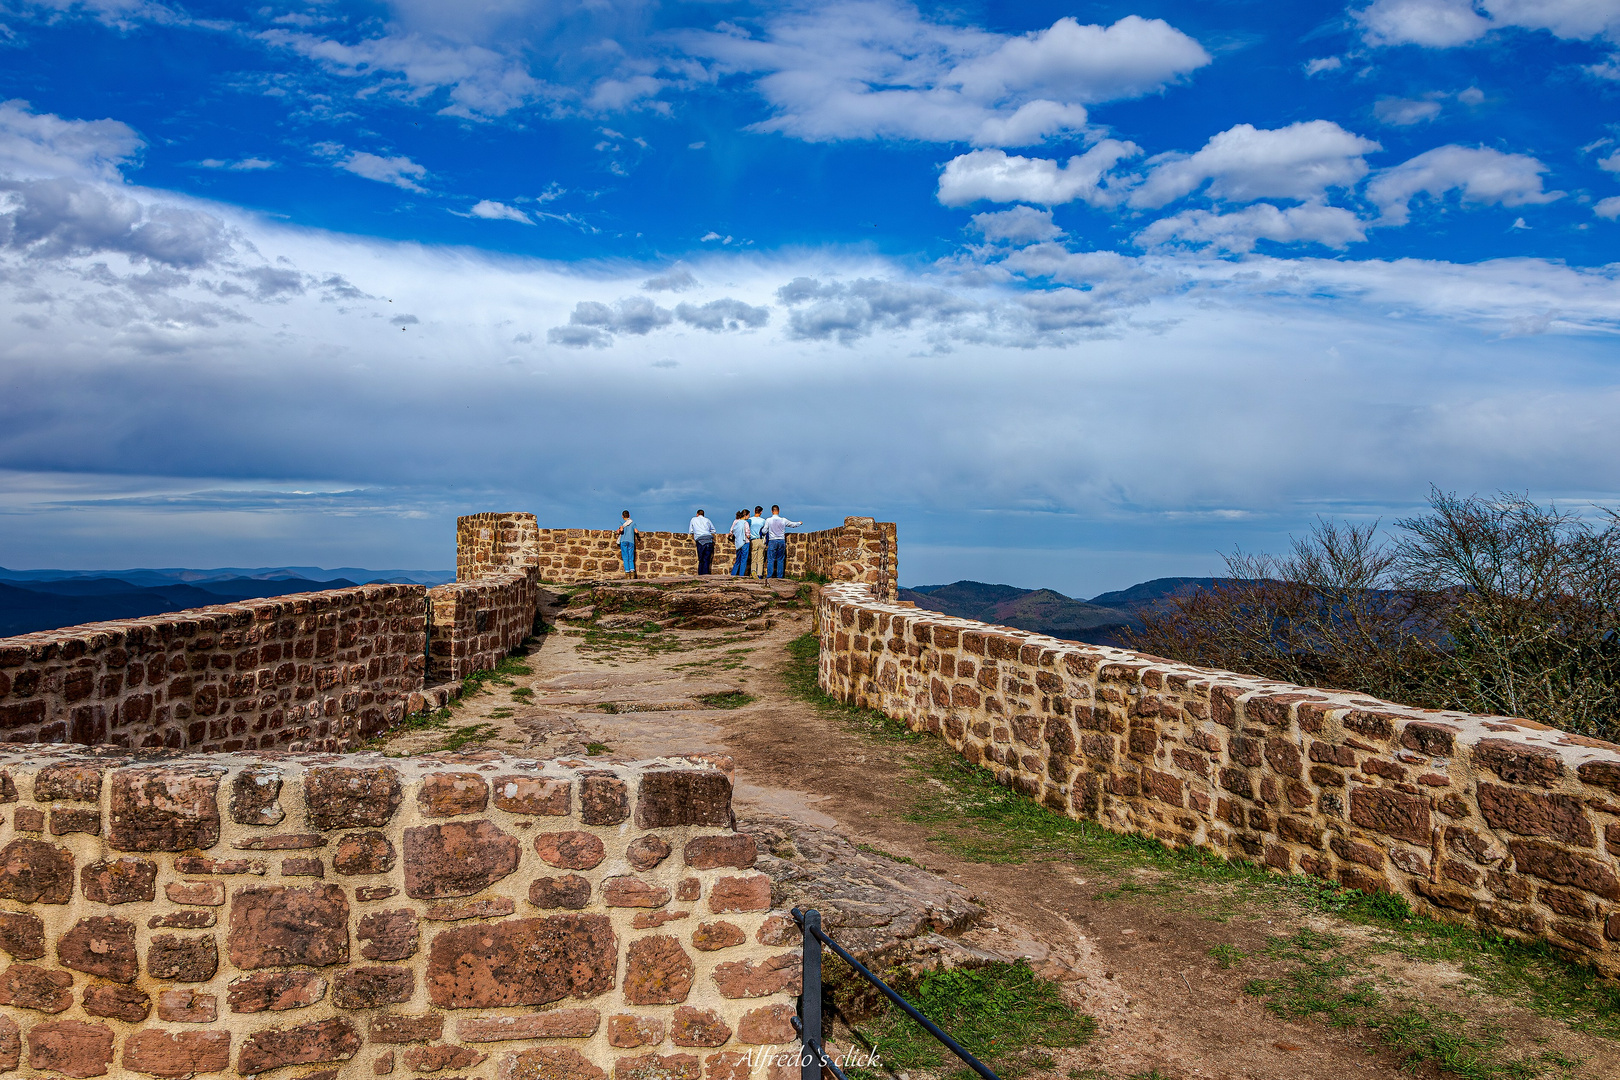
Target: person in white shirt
<point x="756" y="536"/>
<point x="740" y="544"/>
<point x="776" y="527"/>
<point x="703" y="533"/>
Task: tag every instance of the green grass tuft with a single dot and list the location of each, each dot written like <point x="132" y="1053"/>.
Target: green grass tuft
<point x="727" y="699"/>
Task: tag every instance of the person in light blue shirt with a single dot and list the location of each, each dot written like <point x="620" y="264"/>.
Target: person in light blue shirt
<point x="756" y="536"/>
<point x="740" y="541"/>
<point x="626" y="534"/>
<point x="776" y="527"/>
<point x="702" y="532"/>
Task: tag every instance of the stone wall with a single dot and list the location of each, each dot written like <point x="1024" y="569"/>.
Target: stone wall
<point x="470" y="915"/>
<point x="1486" y="820"/>
<point x="474" y="624"/>
<point x="861" y="549"/>
<point x="312" y="671"/>
<point x="495" y="544"/>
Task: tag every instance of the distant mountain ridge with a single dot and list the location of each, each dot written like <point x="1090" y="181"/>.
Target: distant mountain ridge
<point x="33" y="600"/>
<point x="1102" y="620"/>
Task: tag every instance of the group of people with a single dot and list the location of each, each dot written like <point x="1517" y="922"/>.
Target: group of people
<point x="760" y="542"/>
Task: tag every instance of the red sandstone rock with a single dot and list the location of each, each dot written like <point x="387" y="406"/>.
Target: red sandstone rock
<point x="389" y="935"/>
<point x="448" y="794"/>
<point x="278" y="925"/>
<point x="646" y="920"/>
<point x="522" y="962"/>
<point x="35" y="872"/>
<point x="712" y="936"/>
<point x="303" y="867"/>
<point x="457" y="859"/>
<point x="735" y="1065"/>
<point x="549" y="1063"/>
<point x="1519" y="763"/>
<point x="369" y="987"/>
<point x="274" y="991"/>
<point x="256" y="796"/>
<point x="658" y="1067"/>
<point x="283" y="842"/>
<point x="210" y="893"/>
<point x="364" y="853"/>
<point x="633" y="892"/>
<point x="555" y="1024"/>
<point x="573" y="850"/>
<point x="1391" y="812"/>
<point x="603" y="798"/>
<point x="324" y="1040"/>
<point x="346" y="798"/>
<point x="778" y="930"/>
<point x="626" y="1031"/>
<point x="1535" y="813"/>
<point x="768" y="1025"/>
<point x="749" y="979"/>
<point x="698" y="1027"/>
<point x="182" y="959"/>
<point x="532" y="795"/>
<point x="102" y="945"/>
<point x="187" y="1007"/>
<point x="77" y="781"/>
<point x="70" y="1047"/>
<point x="164" y="809"/>
<point x="751" y="893"/>
<point x="119" y="881"/>
<point x="75" y="819"/>
<point x="568" y="891"/>
<point x="1554" y="864"/>
<point x="22" y="934"/>
<point x="406" y="1029"/>
<point x="30" y="987"/>
<point x="431" y="1059"/>
<point x="711" y="852"/>
<point x="126" y="1003"/>
<point x="181" y="1054"/>
<point x="673" y="797"/>
<point x="367" y="893"/>
<point x="491" y="908"/>
<point x="658" y="971"/>
<point x="646" y="852"/>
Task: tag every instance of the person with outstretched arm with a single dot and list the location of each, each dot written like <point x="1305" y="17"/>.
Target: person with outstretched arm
<point x="740" y="542"/>
<point x="626" y="535"/>
<point x="776" y="527"/>
<point x="701" y="530"/>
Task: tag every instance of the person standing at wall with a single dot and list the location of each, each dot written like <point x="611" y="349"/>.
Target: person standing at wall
<point x="626" y="535"/>
<point x="741" y="542"/>
<point x="701" y="529"/>
<point x="776" y="527"/>
<point x="756" y="535"/>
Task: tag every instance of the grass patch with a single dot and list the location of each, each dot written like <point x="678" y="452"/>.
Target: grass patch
<point x="471" y="733"/>
<point x="727" y="699"/>
<point x="1227" y="956"/>
<point x="522" y="693"/>
<point x="595" y="748"/>
<point x="1002" y="1013"/>
<point x="500" y="675"/>
<point x="977" y="819"/>
<point x="870" y="850"/>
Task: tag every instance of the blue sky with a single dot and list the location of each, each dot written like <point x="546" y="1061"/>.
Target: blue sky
<point x="1079" y="294"/>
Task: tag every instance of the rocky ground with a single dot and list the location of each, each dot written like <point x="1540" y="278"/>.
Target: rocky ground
<point x="640" y="669"/>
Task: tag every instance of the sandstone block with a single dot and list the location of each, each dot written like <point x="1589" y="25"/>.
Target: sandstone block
<point x="735" y="1065"/>
<point x="324" y="1040"/>
<point x="657" y="972"/>
<point x="70" y="1047"/>
<point x="646" y="852"/>
<point x="37" y="988"/>
<point x="532" y="795"/>
<point x="75" y="819"/>
<point x="629" y="891"/>
<point x="206" y="893"/>
<point x="369" y="987"/>
<point x="274" y="991"/>
<point x="303" y="866"/>
<point x="658" y="1067"/>
<point x="552" y="1024"/>
<point x="531" y="961"/>
<point x="388" y="935"/>
<point x="164" y="809"/>
<point x="364" y="853"/>
<point x="1519" y="763"/>
<point x="256" y="796"/>
<point x="10" y="1043"/>
<point x="187" y="1007"/>
<point x="568" y="891"/>
<point x="347" y="798"/>
<point x="751" y="893"/>
<point x="627" y="1032"/>
<point x="279" y="926"/>
<point x="399" y="1028"/>
<point x="127" y="1003"/>
<point x="1552" y="863"/>
<point x="1536" y="813"/>
<point x="22" y="934"/>
<point x="182" y="959"/>
<point x="1391" y="812"/>
<point x="712" y="852"/>
<point x="778" y="930"/>
<point x="712" y="936"/>
<point x="437" y="1058"/>
<point x="674" y="797"/>
<point x="767" y="1025"/>
<point x="119" y="881"/>
<point x="604" y="798"/>
<point x="281" y="842"/>
<point x="572" y="850"/>
<point x="75" y="781"/>
<point x="180" y="1054"/>
<point x="698" y="1027"/>
<point x="103" y="945"/>
<point x="366" y="893"/>
<point x="449" y="794"/>
<point x="749" y="978"/>
<point x="549" y="1063"/>
<point x="35" y="872"/>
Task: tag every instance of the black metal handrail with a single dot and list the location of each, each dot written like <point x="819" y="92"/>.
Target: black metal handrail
<point x="808" y="1022"/>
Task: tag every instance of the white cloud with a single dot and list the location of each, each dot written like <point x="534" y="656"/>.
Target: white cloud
<point x="1312" y="222"/>
<point x="1610" y="163"/>
<point x="877" y="69"/>
<point x="849" y="311"/>
<point x="1483" y="176"/>
<point x="1608" y="208"/>
<point x="675" y="279"/>
<point x="36" y="145"/>
<point x="247" y="164"/>
<point x="723" y="314"/>
<point x="1323" y="63"/>
<point x="1447" y="23"/>
<point x="593" y="323"/>
<point x="60" y="218"/>
<point x="996" y="176"/>
<point x="401" y="171"/>
<point x="1020" y="225"/>
<point x="1404" y="112"/>
<point x="495" y="211"/>
<point x="1244" y="163"/>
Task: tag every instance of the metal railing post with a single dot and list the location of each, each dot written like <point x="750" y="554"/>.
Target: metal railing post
<point x="810" y="998"/>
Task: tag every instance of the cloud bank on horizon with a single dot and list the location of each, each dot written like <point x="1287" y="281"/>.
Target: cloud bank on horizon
<point x="1077" y="299"/>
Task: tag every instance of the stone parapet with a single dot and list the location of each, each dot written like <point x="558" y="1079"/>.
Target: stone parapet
<point x="313" y="671"/>
<point x="495" y="543"/>
<point x="476" y="623"/>
<point x="1494" y="822"/>
<point x="241" y="914"/>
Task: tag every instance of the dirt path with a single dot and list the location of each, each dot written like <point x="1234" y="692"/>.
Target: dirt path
<point x="1128" y="952"/>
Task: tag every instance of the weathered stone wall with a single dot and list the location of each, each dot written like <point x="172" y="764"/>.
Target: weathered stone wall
<point x="314" y="671"/>
<point x="861" y="549"/>
<point x="231" y="915"/>
<point x="1491" y="821"/>
<point x="476" y="623"/>
<point x="495" y="544"/>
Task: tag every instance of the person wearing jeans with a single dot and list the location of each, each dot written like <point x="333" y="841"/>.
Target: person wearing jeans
<point x="776" y="527"/>
<point x="740" y="541"/>
<point x="756" y="536"/>
<point x="626" y="534"/>
<point x="701" y="530"/>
